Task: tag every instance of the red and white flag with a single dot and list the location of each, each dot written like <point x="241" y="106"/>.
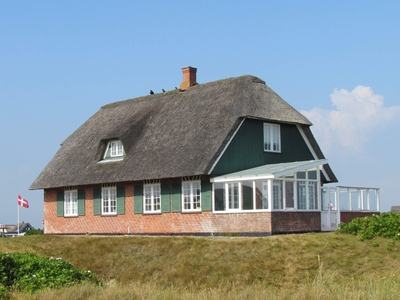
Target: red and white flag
<point x="23" y="202"/>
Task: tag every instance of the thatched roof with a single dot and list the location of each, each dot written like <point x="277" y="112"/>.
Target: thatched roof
<point x="165" y="135"/>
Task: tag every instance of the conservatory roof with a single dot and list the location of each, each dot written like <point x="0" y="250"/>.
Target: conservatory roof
<point x="271" y="171"/>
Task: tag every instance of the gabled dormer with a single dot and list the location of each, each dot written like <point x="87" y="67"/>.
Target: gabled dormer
<point x="114" y="151"/>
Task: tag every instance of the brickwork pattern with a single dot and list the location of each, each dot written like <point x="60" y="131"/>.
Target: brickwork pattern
<point x="287" y="222"/>
<point x="347" y="216"/>
<point x="165" y="223"/>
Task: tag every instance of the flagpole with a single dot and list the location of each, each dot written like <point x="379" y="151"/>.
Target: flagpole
<point x="18" y="218"/>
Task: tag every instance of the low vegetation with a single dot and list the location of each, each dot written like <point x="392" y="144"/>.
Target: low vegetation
<point x="34" y="232"/>
<point x="385" y="225"/>
<point x="302" y="266"/>
<point x="27" y="273"/>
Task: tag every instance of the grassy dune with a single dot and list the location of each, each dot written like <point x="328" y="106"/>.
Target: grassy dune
<point x="303" y="266"/>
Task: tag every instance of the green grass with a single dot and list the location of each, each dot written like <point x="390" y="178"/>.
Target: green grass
<point x="303" y="266"/>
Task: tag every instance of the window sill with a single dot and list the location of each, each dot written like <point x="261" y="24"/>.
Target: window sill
<point x="270" y="151"/>
<point x="70" y="216"/>
<point x="152" y="212"/>
<point x="191" y="211"/>
<point x="109" y="160"/>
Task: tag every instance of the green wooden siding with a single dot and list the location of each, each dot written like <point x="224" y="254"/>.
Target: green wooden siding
<point x="176" y="197"/>
<point x="120" y="200"/>
<point x="246" y="149"/>
<point x="81" y="202"/>
<point x="138" y="199"/>
<point x="165" y="198"/>
<point x="97" y="201"/>
<point x="60" y="203"/>
<point x="205" y="195"/>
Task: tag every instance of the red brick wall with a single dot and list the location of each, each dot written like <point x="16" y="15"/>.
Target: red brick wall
<point x="285" y="222"/>
<point x="165" y="223"/>
<point x="347" y="216"/>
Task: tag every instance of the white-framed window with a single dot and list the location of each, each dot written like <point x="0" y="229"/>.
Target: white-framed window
<point x="152" y="198"/>
<point x="272" y="137"/>
<point x="296" y="191"/>
<point x="116" y="148"/>
<point x="109" y="200"/>
<point x="191" y="195"/>
<point x="71" y="203"/>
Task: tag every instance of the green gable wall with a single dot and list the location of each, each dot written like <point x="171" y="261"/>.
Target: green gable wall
<point x="246" y="150"/>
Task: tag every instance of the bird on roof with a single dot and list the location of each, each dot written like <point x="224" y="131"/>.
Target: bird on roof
<point x="151" y="92"/>
<point x="163" y="90"/>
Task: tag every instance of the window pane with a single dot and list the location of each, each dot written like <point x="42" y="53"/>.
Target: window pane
<point x="289" y="194"/>
<point x="312" y="195"/>
<point x="156" y="197"/>
<point x="261" y="195"/>
<point x="301" y="175"/>
<point x="267" y="137"/>
<point x="233" y="195"/>
<point x="301" y="195"/>
<point x="277" y="194"/>
<point x="219" y="197"/>
<point x="247" y="194"/>
<point x="312" y="174"/>
<point x="196" y="195"/>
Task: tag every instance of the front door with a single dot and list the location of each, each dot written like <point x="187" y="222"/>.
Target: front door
<point x="329" y="213"/>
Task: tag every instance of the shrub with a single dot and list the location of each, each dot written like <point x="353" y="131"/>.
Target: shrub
<point x="385" y="225"/>
<point x="34" y="232"/>
<point x="27" y="272"/>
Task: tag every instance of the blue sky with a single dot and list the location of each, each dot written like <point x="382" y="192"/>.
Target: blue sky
<point x="335" y="61"/>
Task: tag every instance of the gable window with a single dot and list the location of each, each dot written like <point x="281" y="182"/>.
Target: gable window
<point x="191" y="196"/>
<point x="152" y="198"/>
<point x="71" y="203"/>
<point x="109" y="200"/>
<point x="272" y="137"/>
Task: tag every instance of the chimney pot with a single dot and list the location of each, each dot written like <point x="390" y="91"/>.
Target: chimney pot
<point x="189" y="78"/>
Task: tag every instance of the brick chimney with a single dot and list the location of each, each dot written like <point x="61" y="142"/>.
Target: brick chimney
<point x="189" y="78"/>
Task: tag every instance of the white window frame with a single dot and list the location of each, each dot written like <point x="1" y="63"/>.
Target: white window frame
<point x="229" y="187"/>
<point x="114" y="149"/>
<point x="152" y="198"/>
<point x="117" y="149"/>
<point x="70" y="203"/>
<point x="272" y="137"/>
<point x="273" y="197"/>
<point x="109" y="200"/>
<point x="191" y="196"/>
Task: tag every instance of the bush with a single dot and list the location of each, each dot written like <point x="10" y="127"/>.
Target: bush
<point x="34" y="232"/>
<point x="385" y="225"/>
<point x="27" y="272"/>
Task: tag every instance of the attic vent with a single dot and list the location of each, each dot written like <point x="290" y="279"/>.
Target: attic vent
<point x="189" y="78"/>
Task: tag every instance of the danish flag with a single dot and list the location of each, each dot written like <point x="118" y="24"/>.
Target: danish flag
<point x="23" y="202"/>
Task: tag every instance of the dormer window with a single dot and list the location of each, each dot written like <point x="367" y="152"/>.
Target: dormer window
<point x="114" y="150"/>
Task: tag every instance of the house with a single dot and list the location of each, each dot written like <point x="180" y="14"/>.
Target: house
<point x="12" y="230"/>
<point x="395" y="209"/>
<point x="228" y="156"/>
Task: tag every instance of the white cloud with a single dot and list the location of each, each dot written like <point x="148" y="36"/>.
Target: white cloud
<point x="356" y="116"/>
